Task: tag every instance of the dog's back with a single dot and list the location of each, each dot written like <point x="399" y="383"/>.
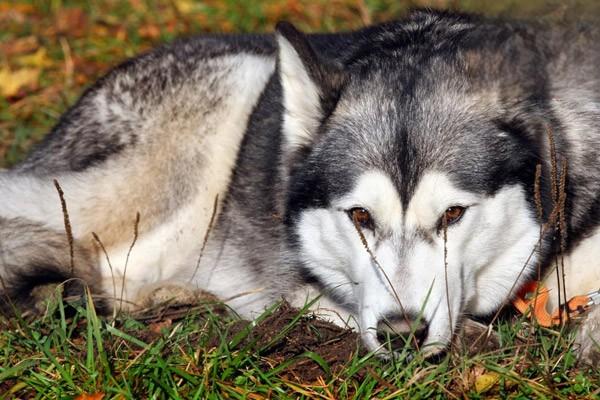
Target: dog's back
<point x="158" y="136"/>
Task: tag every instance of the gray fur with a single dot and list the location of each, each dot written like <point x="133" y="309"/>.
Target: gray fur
<point x="46" y="254"/>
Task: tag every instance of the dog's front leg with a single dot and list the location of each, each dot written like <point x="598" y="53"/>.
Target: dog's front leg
<point x="588" y="338"/>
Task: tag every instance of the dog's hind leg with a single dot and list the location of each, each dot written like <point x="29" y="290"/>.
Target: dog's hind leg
<point x="34" y="258"/>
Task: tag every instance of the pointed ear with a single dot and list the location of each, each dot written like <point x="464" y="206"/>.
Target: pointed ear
<point x="310" y="86"/>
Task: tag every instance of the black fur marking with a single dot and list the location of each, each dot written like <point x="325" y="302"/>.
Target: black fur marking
<point x="20" y="293"/>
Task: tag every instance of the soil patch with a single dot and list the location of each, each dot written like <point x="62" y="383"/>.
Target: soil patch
<point x="317" y="347"/>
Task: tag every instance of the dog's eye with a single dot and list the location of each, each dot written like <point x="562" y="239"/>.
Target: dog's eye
<point x="361" y="217"/>
<point x="452" y="215"/>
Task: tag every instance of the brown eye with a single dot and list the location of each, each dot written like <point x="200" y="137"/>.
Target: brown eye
<point x="452" y="215"/>
<point x="361" y="217"/>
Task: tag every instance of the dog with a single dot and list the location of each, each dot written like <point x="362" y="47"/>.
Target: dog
<point x="408" y="175"/>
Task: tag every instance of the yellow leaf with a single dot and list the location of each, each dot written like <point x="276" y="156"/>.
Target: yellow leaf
<point x="184" y="6"/>
<point x="486" y="381"/>
<point x="38" y="59"/>
<point x="12" y="81"/>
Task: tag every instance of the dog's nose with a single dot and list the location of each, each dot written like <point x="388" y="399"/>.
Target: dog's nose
<point x="400" y="331"/>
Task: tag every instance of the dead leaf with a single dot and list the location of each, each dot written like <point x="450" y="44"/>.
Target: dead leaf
<point x="38" y="59"/>
<point x="184" y="6"/>
<point x="157" y="327"/>
<point x="139" y="5"/>
<point x="486" y="381"/>
<point x="71" y="21"/>
<point x="7" y="6"/>
<point x="94" y="396"/>
<point x="86" y="69"/>
<point x="149" y="31"/>
<point x="19" y="46"/>
<point x="11" y="82"/>
<point x="121" y="34"/>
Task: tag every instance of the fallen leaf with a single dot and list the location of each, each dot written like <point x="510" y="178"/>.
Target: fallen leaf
<point x="19" y="46"/>
<point x="88" y="69"/>
<point x="486" y="381"/>
<point x="149" y="31"/>
<point x="6" y="6"/>
<point x="121" y="34"/>
<point x="184" y="6"/>
<point x="38" y="59"/>
<point x="71" y="21"/>
<point x="138" y="5"/>
<point x="157" y="327"/>
<point x="94" y="396"/>
<point x="11" y="82"/>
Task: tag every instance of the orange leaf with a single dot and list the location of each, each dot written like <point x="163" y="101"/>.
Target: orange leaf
<point x="94" y="396"/>
<point x="7" y="6"/>
<point x="149" y="31"/>
<point x="71" y="21"/>
<point x="19" y="46"/>
<point x="157" y="327"/>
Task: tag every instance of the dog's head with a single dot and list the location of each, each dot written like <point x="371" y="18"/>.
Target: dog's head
<point x="410" y="199"/>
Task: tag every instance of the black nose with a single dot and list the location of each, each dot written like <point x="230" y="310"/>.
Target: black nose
<point x="399" y="331"/>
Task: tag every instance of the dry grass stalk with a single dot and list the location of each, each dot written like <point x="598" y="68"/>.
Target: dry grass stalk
<point x="135" y="237"/>
<point x="67" y="222"/>
<point x="445" y="230"/>
<point x="99" y="242"/>
<point x="209" y="229"/>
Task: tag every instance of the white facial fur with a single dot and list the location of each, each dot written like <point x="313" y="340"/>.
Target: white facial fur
<point x="486" y="251"/>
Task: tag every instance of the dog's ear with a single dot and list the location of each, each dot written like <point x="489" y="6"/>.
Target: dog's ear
<point x="310" y="86"/>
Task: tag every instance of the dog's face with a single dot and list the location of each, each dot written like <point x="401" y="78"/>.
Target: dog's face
<point x="408" y="201"/>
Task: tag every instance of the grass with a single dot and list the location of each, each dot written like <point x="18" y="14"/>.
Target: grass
<point x="54" y="49"/>
<point x="203" y="354"/>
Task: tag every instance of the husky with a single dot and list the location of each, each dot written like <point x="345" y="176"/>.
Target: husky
<point x="409" y="175"/>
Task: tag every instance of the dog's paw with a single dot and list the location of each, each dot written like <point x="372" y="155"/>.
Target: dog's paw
<point x="587" y="339"/>
<point x="172" y="294"/>
<point x="475" y="337"/>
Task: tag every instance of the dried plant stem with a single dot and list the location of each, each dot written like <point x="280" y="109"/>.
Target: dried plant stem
<point x="445" y="228"/>
<point x="211" y="223"/>
<point x="558" y="219"/>
<point x="67" y="222"/>
<point x="562" y="224"/>
<point x="112" y="274"/>
<point x="135" y="237"/>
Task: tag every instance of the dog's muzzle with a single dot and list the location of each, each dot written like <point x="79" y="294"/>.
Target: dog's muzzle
<point x="398" y="332"/>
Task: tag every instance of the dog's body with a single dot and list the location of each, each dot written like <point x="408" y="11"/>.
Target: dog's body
<point x="391" y="170"/>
